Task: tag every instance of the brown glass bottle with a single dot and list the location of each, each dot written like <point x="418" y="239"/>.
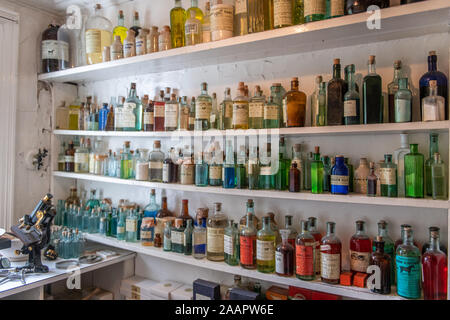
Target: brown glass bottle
<point x="337" y="87"/>
<point x="50" y="62"/>
<point x="383" y="261"/>
<point x="110" y="119"/>
<point x="164" y="212"/>
<point x="73" y="198"/>
<point x="148" y="114"/>
<point x="294" y="106"/>
<point x="158" y="113"/>
<point x="185" y="213"/>
<point x="69" y="158"/>
<point x="294" y="178"/>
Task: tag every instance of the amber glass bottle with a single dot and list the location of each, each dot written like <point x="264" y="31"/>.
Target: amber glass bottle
<point x="294" y="106"/>
<point x="383" y="261"/>
<point x="294" y="178"/>
<point x="337" y="87"/>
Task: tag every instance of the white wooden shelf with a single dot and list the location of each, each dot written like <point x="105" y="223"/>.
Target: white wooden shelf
<point x="352" y="292"/>
<point x="362" y="129"/>
<point x="306" y="196"/>
<point x="397" y="22"/>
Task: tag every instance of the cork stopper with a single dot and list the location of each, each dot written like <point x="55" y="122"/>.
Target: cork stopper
<point x="319" y="79"/>
<point x="397" y="64"/>
<point x="136" y="15"/>
<point x="157" y="144"/>
<point x="204" y="86"/>
<point x="379" y="238"/>
<point x="152" y="192"/>
<point x="294" y="79"/>
<point x="214" y="95"/>
<point x="294" y="165"/>
<point x="178" y="222"/>
<point x="217" y="206"/>
<point x="316" y="149"/>
<point x="337" y="61"/>
<point x="133" y="86"/>
<point x="121" y="13"/>
<point x="127" y="144"/>
<point x="117" y="38"/>
<point x="372" y="165"/>
<point x="154" y="29"/>
<point x="173" y="96"/>
<point x="166" y="29"/>
<point x="432" y="53"/>
<point x="371" y="59"/>
<point x="168" y="90"/>
<point x="98" y="6"/>
<point x="250" y="202"/>
<point x="297" y="147"/>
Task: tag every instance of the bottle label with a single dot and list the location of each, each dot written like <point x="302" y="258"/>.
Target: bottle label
<point x="265" y="170"/>
<point x="215" y="172"/>
<point x="282" y="12"/>
<point x="228" y="109"/>
<point x="147" y="235"/>
<point x="270" y="112"/>
<point x="279" y="263"/>
<point x="191" y="121"/>
<point x="142" y="171"/>
<point x="93" y="41"/>
<point x="148" y="118"/>
<point x="177" y="237"/>
<point x="199" y="238"/>
<point x="265" y="250"/>
<point x="330" y="265"/>
<point x="129" y="49"/>
<point x="433" y="111"/>
<point x="314" y="7"/>
<point x="228" y="245"/>
<point x="247" y="249"/>
<point x="155" y="164"/>
<point x="165" y="175"/>
<point x="140" y="46"/>
<point x="222" y="21"/>
<point x="350" y="108"/>
<point x="202" y="110"/>
<point x="241" y="6"/>
<point x="171" y="115"/>
<point x="120" y="230"/>
<point x="359" y="261"/>
<point x="214" y="240"/>
<point x="402" y="110"/>
<point x="256" y="110"/>
<point x="116" y="52"/>
<point x="159" y="109"/>
<point x="206" y="33"/>
<point x="187" y="174"/>
<point x="125" y="117"/>
<point x="81" y="158"/>
<point x="317" y="257"/>
<point x="339" y="180"/>
<point x="54" y="49"/>
<point x="131" y="225"/>
<point x="388" y="176"/>
<point x="304" y="262"/>
<point x="336" y="8"/>
<point x="408" y="276"/>
<point x="360" y="185"/>
<point x="240" y="114"/>
<point x="191" y="28"/>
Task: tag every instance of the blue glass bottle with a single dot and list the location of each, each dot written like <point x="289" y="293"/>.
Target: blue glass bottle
<point x="201" y="171"/>
<point x="113" y="223"/>
<point x="152" y="208"/>
<point x="121" y="223"/>
<point x="102" y="117"/>
<point x="102" y="228"/>
<point x="433" y="74"/>
<point x="139" y="217"/>
<point x="131" y="227"/>
<point x="85" y="220"/>
<point x="241" y="171"/>
<point x="79" y="218"/>
<point x="339" y="176"/>
<point x="229" y="170"/>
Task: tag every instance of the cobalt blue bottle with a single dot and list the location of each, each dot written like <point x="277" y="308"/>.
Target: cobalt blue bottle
<point x="433" y="74"/>
<point x="339" y="176"/>
<point x="102" y="117"/>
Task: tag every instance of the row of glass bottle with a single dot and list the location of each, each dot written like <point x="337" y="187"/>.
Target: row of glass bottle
<point x="334" y="103"/>
<point x="69" y="243"/>
<point x="404" y="174"/>
<point x="244" y="245"/>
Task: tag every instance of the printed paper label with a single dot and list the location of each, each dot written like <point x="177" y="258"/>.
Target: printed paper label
<point x="155" y="165"/>
<point x="215" y="242"/>
<point x="314" y="7"/>
<point x="338" y="180"/>
<point x="228" y="245"/>
<point x="246" y="249"/>
<point x="359" y="261"/>
<point x="170" y="115"/>
<point x="330" y="265"/>
<point x="178" y="237"/>
<point x="215" y="172"/>
<point x="191" y="28"/>
<point x="140" y="46"/>
<point x="158" y="109"/>
<point x="240" y="6"/>
<point x="336" y="8"/>
<point x="265" y="250"/>
<point x="408" y="276"/>
<point x="402" y="110"/>
<point x="221" y="21"/>
<point x="148" y="118"/>
<point x="228" y="109"/>
<point x="270" y="112"/>
<point x="240" y="114"/>
<point x="265" y="171"/>
<point x="279" y="263"/>
<point x="256" y="110"/>
<point x="282" y="12"/>
<point x="350" y="108"/>
<point x="388" y="176"/>
<point x="131" y="225"/>
<point x="187" y="174"/>
<point x="54" y="49"/>
<point x="304" y="255"/>
<point x="93" y="41"/>
<point x="202" y="110"/>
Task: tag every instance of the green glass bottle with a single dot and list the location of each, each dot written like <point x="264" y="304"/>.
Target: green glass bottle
<point x="198" y="12"/>
<point x="316" y="172"/>
<point x="177" y="22"/>
<point x="314" y="10"/>
<point x="372" y="95"/>
<point x="231" y="243"/>
<point x="350" y="174"/>
<point x="407" y="261"/>
<point x="126" y="165"/>
<point x="284" y="164"/>
<point x="299" y="14"/>
<point x="438" y="178"/>
<point x="188" y="238"/>
<point x="414" y="173"/>
<point x="253" y="169"/>
<point x="256" y="109"/>
<point x="434" y="147"/>
<point x="388" y="177"/>
<point x="403" y="102"/>
<point x="266" y="174"/>
<point x="351" y="98"/>
<point x="265" y="247"/>
<point x="241" y="172"/>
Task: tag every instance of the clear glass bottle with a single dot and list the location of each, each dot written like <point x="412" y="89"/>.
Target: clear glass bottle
<point x="141" y="172"/>
<point x="266" y="170"/>
<point x="399" y="155"/>
<point x="265" y="247"/>
<point x="388" y="177"/>
<point x="305" y="253"/>
<point x="231" y="243"/>
<point x="98" y="35"/>
<point x="241" y="168"/>
<point x="240" y="17"/>
<point x="226" y="111"/>
<point x="271" y="114"/>
<point x="131" y="227"/>
<point x="193" y="29"/>
<point x="201" y="171"/>
<point x="155" y="164"/>
<point x="177" y="236"/>
<point x="253" y="171"/>
<point x="152" y="40"/>
<point x="167" y="242"/>
<point x="360" y="249"/>
<point x="407" y="261"/>
<point x="393" y="88"/>
<point x="372" y="95"/>
<point x="351" y="99"/>
<point x="129" y="115"/>
<point x="171" y="113"/>
<point x="256" y="109"/>
<point x="434" y="264"/>
<point x="433" y="148"/>
<point x="206" y="24"/>
<point x="81" y="158"/>
<point x="215" y="230"/>
<point x="319" y="104"/>
<point x="294" y="106"/>
<point x="403" y="102"/>
<point x="312" y="228"/>
<point x="433" y="105"/>
<point x="240" y="109"/>
<point x="330" y="256"/>
<point x="187" y="170"/>
<point x="165" y="38"/>
<point x="183" y="114"/>
<point x="414" y="173"/>
<point x="203" y="107"/>
<point x="438" y="178"/>
<point x="129" y="44"/>
<point x="177" y="23"/>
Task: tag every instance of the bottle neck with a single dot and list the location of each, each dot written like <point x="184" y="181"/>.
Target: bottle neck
<point x="432" y="63"/>
<point x="330" y="229"/>
<point x="336" y="71"/>
<point x="164" y="204"/>
<point x="397" y="74"/>
<point x="434" y="243"/>
<point x="316" y="156"/>
<point x="407" y="237"/>
<point x="250" y="210"/>
<point x="371" y="68"/>
<point x="132" y="93"/>
<point x="434" y="146"/>
<point x="351" y="81"/>
<point x="152" y="198"/>
<point x="382" y="232"/>
<point x="185" y="210"/>
<point x="121" y="21"/>
<point x="379" y="246"/>
<point x="249" y="219"/>
<point x="433" y="91"/>
<point x="194" y="3"/>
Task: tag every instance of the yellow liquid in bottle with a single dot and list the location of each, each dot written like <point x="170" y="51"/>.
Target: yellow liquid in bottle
<point x="96" y="40"/>
<point x="120" y="31"/>
<point x="74" y="114"/>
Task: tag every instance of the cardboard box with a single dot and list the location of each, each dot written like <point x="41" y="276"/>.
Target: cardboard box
<point x="206" y="290"/>
<point x="185" y="292"/>
<point x="164" y="289"/>
<point x="277" y="293"/>
<point x="137" y="285"/>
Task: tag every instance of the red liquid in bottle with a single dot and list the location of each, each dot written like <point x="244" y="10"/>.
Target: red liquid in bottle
<point x="360" y="249"/>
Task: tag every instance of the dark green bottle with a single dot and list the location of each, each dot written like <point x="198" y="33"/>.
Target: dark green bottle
<point x="388" y="177"/>
<point x="350" y="174"/>
<point x="326" y="173"/>
<point x="316" y="172"/>
<point x="414" y="164"/>
<point x="372" y="95"/>
<point x="434" y="147"/>
<point x="336" y="89"/>
<point x="282" y="175"/>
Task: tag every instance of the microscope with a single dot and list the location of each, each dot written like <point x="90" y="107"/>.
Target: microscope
<point x="34" y="232"/>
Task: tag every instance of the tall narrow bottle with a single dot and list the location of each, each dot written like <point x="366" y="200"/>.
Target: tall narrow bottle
<point x="256" y="109"/>
<point x="120" y="30"/>
<point x="265" y="247"/>
<point x="388" y="246"/>
<point x="434" y="264"/>
<point x="330" y="256"/>
<point x="247" y="245"/>
<point x="337" y="87"/>
<point x="316" y="172"/>
<point x="171" y="113"/>
<point x="351" y="99"/>
<point x="403" y="102"/>
<point x="253" y="169"/>
<point x="305" y="254"/>
<point x="229" y="168"/>
<point x="266" y="170"/>
<point x="240" y="109"/>
<point x="135" y="105"/>
<point x="433" y="148"/>
<point x="284" y="255"/>
<point x="393" y="88"/>
<point x="372" y="95"/>
<point x="388" y="177"/>
<point x="240" y="18"/>
<point x="155" y="163"/>
<point x="399" y="157"/>
<point x="294" y="106"/>
<point x="438" y="178"/>
<point x="226" y="111"/>
<point x="231" y="243"/>
<point x="318" y="104"/>
<point x="408" y="267"/>
<point x="203" y="107"/>
<point x="177" y="22"/>
<point x="414" y="173"/>
<point x="199" y="240"/>
<point x="383" y="261"/>
<point x="312" y="228"/>
<point x="282" y="175"/>
<point x="159" y="112"/>
<point x="215" y="230"/>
